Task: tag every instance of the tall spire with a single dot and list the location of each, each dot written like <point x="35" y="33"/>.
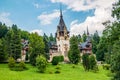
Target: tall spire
<point x="87" y="31"/>
<point x="60" y="10"/>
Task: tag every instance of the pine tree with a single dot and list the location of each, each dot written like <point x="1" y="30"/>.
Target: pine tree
<point x="84" y="36"/>
<point x="3" y="55"/>
<point x="46" y="40"/>
<point x="95" y="42"/>
<point x="3" y="30"/>
<point x="85" y="61"/>
<point x="16" y="42"/>
<point x="74" y="53"/>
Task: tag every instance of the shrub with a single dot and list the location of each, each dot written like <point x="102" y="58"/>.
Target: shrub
<point x="11" y="62"/>
<point x="58" y="67"/>
<point x="93" y="62"/>
<point x="41" y="63"/>
<point x="57" y="71"/>
<point x="22" y="65"/>
<point x="73" y="66"/>
<point x="95" y="69"/>
<point x="61" y="58"/>
<point x="50" y="72"/>
<point x="85" y="59"/>
<point x="106" y="66"/>
<point x="55" y="60"/>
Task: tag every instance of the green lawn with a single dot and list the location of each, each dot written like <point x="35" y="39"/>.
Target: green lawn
<point x="67" y="73"/>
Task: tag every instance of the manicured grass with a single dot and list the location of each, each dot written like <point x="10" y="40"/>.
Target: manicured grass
<point x="67" y="73"/>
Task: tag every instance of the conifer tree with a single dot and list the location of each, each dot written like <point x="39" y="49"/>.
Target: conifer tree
<point x="36" y="47"/>
<point x="74" y="53"/>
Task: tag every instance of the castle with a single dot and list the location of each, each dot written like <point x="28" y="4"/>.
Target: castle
<point x="62" y="45"/>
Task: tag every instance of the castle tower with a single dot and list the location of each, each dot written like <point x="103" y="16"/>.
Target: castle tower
<point x="62" y="37"/>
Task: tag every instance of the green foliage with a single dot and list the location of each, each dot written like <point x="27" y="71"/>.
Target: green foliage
<point x="24" y="35"/>
<point x="8" y="43"/>
<point x="16" y="42"/>
<point x="61" y="58"/>
<point x="79" y="38"/>
<point x="57" y="71"/>
<point x="22" y="65"/>
<point x="84" y="37"/>
<point x="95" y="42"/>
<point x="106" y="66"/>
<point x="67" y="73"/>
<point x="19" y="67"/>
<point x="113" y="34"/>
<point x="89" y="62"/>
<point x="41" y="63"/>
<point x="102" y="49"/>
<point x="107" y="58"/>
<point x="92" y="62"/>
<point x="86" y="64"/>
<point x="11" y="62"/>
<point x="74" y="53"/>
<point x="58" y="67"/>
<point x="36" y="47"/>
<point x="46" y="40"/>
<point x="51" y="38"/>
<point x="55" y="60"/>
<point x="3" y="55"/>
<point x="3" y="30"/>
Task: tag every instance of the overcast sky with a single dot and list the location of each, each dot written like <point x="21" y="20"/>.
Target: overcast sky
<point x="42" y="16"/>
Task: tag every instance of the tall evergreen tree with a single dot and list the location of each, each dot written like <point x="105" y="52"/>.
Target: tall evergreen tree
<point x="8" y="43"/>
<point x="16" y="42"/>
<point x="84" y="37"/>
<point x="46" y="40"/>
<point x="74" y="53"/>
<point x="36" y="47"/>
<point x="112" y="40"/>
<point x="3" y="30"/>
<point x="101" y="49"/>
<point x="51" y="38"/>
<point x="95" y="42"/>
<point x="114" y="32"/>
<point x="3" y="55"/>
<point x="85" y="61"/>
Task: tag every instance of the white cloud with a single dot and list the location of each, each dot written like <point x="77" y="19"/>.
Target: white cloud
<point x="36" y="5"/>
<point x="40" y="32"/>
<point x="83" y="5"/>
<point x="47" y="18"/>
<point x="4" y="18"/>
<point x="102" y="13"/>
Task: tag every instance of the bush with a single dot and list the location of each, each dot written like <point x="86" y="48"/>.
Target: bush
<point x="57" y="71"/>
<point x="12" y="65"/>
<point x="73" y="66"/>
<point x="92" y="62"/>
<point x="61" y="58"/>
<point x="22" y="65"/>
<point x="106" y="66"/>
<point x="58" y="67"/>
<point x="50" y="72"/>
<point x="85" y="61"/>
<point x="11" y="62"/>
<point x="41" y="63"/>
<point x="55" y="60"/>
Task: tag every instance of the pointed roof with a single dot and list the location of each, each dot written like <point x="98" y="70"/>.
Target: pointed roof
<point x="87" y="31"/>
<point x="61" y="24"/>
